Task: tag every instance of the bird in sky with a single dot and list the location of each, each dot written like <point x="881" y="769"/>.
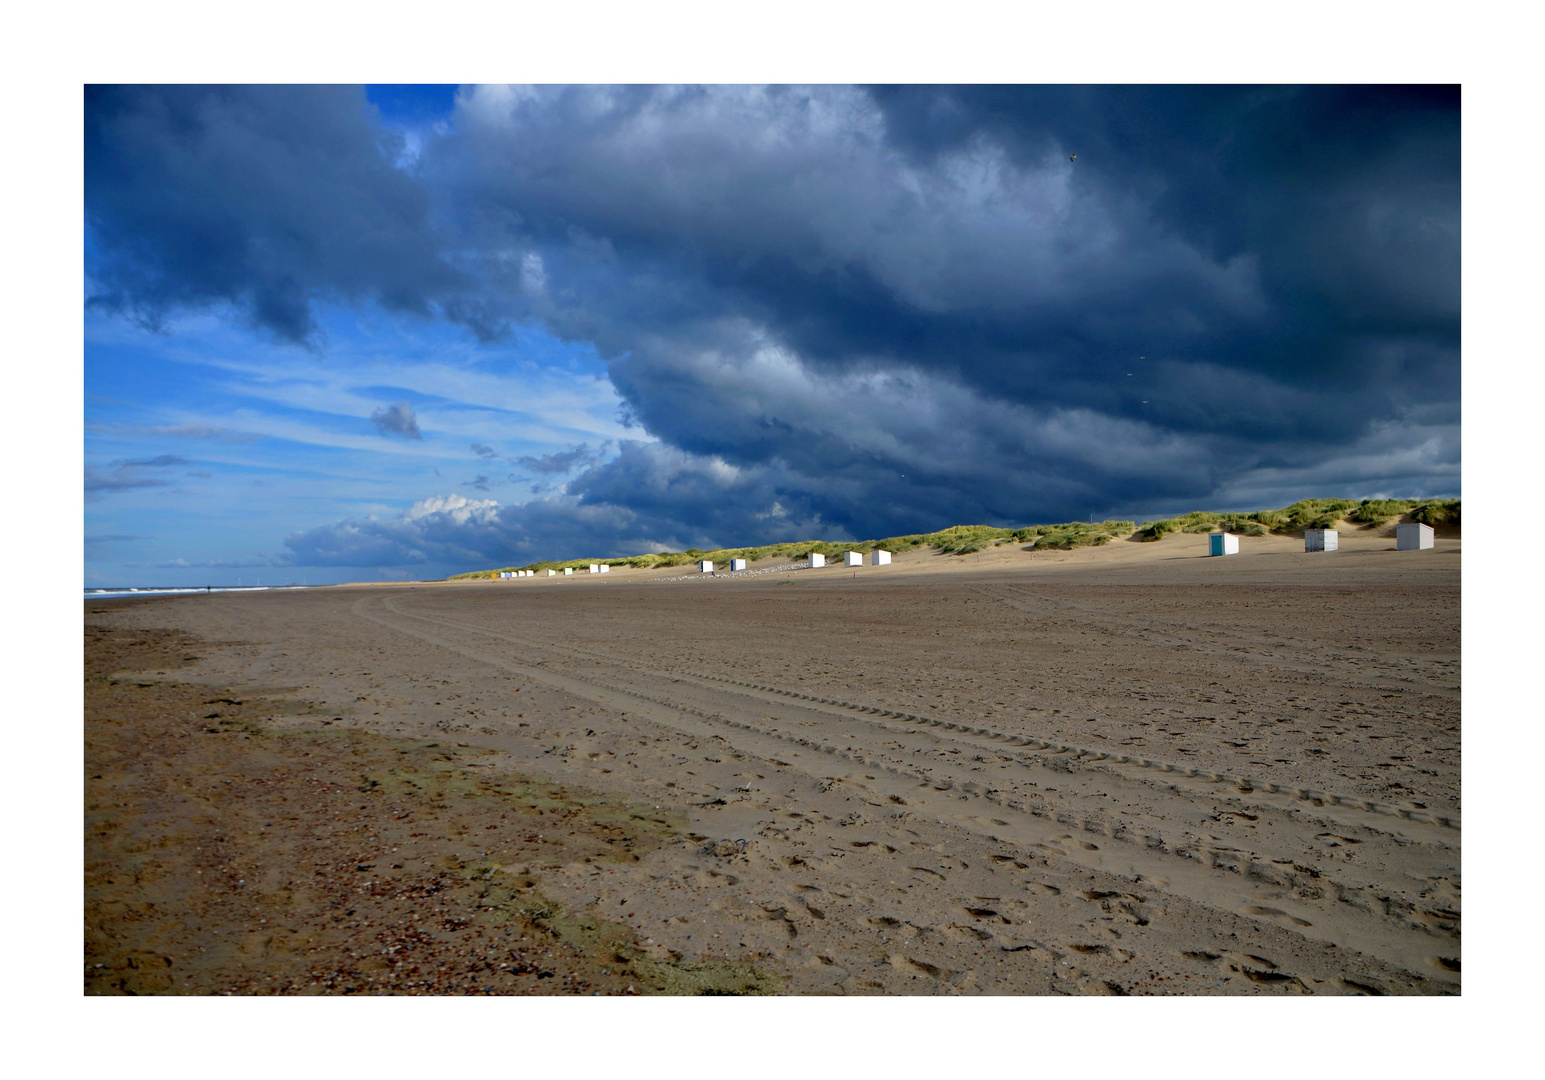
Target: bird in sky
<point x="1072" y="157"/>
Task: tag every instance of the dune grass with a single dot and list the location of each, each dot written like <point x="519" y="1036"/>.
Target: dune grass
<point x="1308" y="514"/>
<point x="969" y="539"/>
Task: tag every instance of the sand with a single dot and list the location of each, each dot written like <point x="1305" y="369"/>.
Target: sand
<point x="1124" y="770"/>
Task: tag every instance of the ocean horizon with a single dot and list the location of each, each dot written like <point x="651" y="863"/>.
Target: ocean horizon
<point x="102" y="593"/>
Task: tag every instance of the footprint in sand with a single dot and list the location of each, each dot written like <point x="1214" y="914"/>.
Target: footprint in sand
<point x="1273" y="913"/>
<point x="909" y="966"/>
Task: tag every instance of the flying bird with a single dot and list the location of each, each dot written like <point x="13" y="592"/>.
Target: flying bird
<point x="1072" y="157"/>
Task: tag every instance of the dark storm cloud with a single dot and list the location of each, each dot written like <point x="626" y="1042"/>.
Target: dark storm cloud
<point x="561" y="462"/>
<point x="873" y="311"/>
<point x="397" y="419"/>
<point x="1244" y="274"/>
<point x="264" y="198"/>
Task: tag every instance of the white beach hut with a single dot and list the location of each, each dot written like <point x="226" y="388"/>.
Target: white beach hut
<point x="1413" y="536"/>
<point x="852" y="558"/>
<point x="552" y="573"/>
<point x="1321" y="539"/>
<point x="737" y="564"/>
<point x="595" y="568"/>
<point x="606" y="568"/>
<point x="705" y="566"/>
<point x="880" y="558"/>
<point x="1223" y="544"/>
<point x="568" y="571"/>
<point x="817" y="559"/>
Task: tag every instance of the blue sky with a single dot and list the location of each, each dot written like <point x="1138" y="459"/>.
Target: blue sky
<point x="207" y="446"/>
<point x="336" y="333"/>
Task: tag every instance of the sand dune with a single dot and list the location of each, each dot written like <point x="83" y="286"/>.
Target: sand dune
<point x="1128" y="769"/>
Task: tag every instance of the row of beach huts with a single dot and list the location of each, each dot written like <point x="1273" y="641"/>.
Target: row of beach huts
<point x="567" y="571"/>
<point x="849" y="558"/>
<point x="706" y="566"/>
<point x="1411" y="536"/>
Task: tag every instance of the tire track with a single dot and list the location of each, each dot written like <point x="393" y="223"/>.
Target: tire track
<point x="1243" y="784"/>
<point x="1269" y="890"/>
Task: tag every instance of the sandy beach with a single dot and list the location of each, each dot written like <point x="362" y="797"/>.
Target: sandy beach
<point x="1129" y="769"/>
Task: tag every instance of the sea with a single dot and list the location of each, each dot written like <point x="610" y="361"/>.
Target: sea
<point x="171" y="590"/>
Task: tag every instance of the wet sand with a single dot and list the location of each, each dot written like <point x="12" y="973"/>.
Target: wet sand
<point x="1126" y="770"/>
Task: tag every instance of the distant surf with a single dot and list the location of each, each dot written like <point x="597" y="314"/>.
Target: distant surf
<point x="169" y="590"/>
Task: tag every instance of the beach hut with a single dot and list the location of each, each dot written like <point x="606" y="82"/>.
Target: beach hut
<point x="880" y="558"/>
<point x="606" y="568"/>
<point x="551" y="573"/>
<point x="568" y="571"/>
<point x="817" y="559"/>
<point x="705" y="566"/>
<point x="737" y="564"/>
<point x="595" y="568"/>
<point x="1413" y="536"/>
<point x="1321" y="539"/>
<point x="852" y="558"/>
<point x="1223" y="544"/>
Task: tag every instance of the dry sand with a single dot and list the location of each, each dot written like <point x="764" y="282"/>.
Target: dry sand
<point x="1125" y="770"/>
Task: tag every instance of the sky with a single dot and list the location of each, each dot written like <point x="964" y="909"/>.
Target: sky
<point x="340" y="333"/>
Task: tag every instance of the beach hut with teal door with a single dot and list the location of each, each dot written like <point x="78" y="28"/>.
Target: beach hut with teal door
<point x="1223" y="544"/>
